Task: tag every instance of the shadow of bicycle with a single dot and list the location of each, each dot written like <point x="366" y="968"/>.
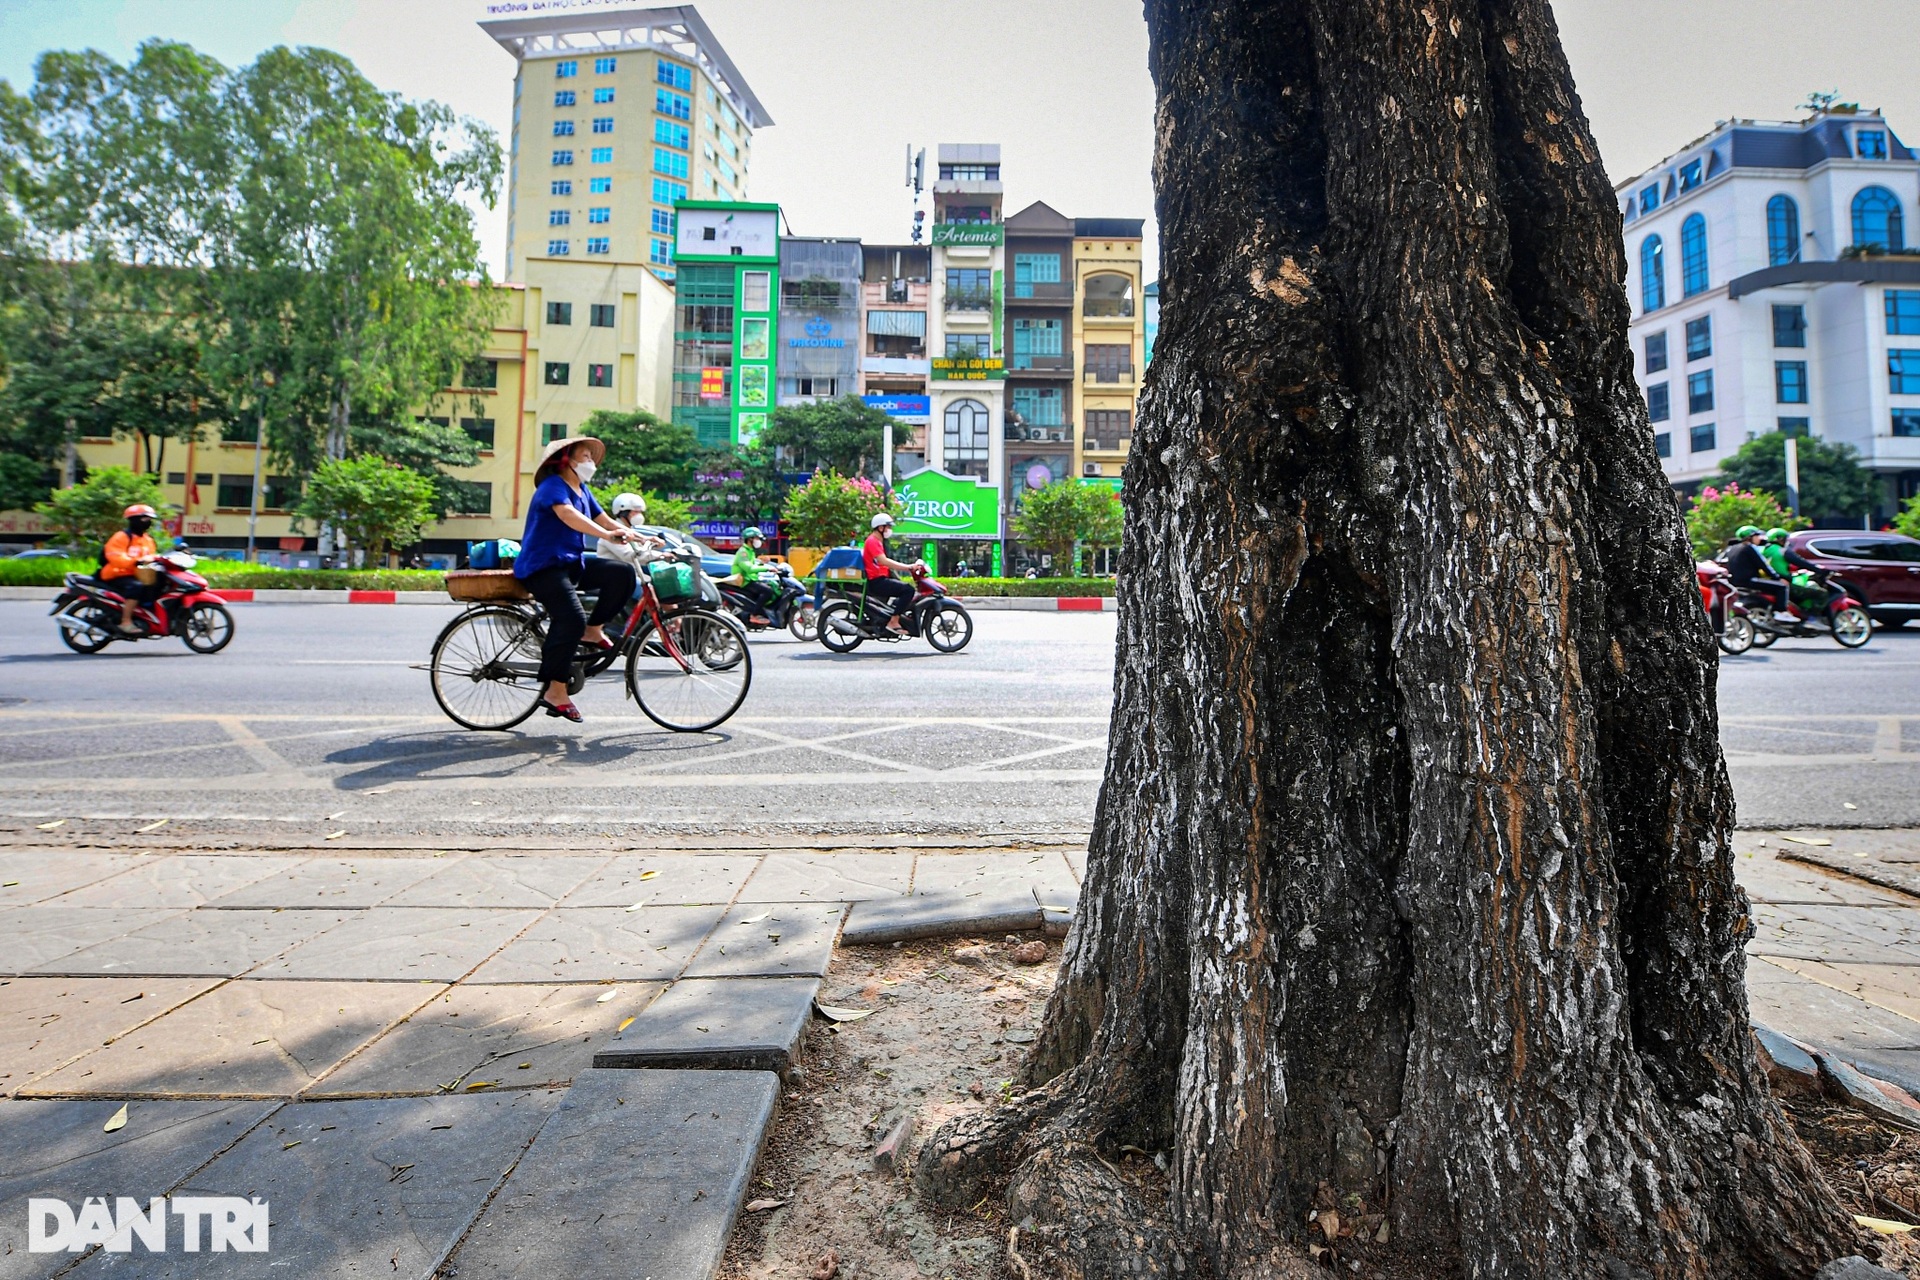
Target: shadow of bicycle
<point x="454" y="754"/>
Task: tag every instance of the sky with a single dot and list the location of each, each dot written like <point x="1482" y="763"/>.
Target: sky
<point x="1061" y="85"/>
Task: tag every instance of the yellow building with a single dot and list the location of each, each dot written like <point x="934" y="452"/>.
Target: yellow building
<point x="1109" y="341"/>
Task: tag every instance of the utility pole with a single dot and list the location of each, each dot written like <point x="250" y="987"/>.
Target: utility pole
<point x="1793" y="475"/>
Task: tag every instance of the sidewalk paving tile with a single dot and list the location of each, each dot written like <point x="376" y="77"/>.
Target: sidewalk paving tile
<point x="58" y="1150"/>
<point x="508" y="1035"/>
<point x="1850" y="934"/>
<point x="48" y="1022"/>
<point x="942" y="914"/>
<point x="739" y="1024"/>
<point x="334" y="882"/>
<point x="402" y="944"/>
<point x="220" y="944"/>
<point x="1077" y="863"/>
<point x="1780" y="882"/>
<point x="1891" y="986"/>
<point x="180" y="880"/>
<point x="374" y="1187"/>
<point x="829" y="877"/>
<point x="597" y="944"/>
<point x="35" y="875"/>
<point x="1819" y="1015"/>
<point x="679" y="880"/>
<point x="1044" y="872"/>
<point x="247" y="1038"/>
<point x="637" y="1174"/>
<point x="770" y="940"/>
<point x="39" y="935"/>
<point x="521" y="880"/>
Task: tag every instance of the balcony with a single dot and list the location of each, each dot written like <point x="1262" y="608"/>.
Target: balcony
<point x="1117" y="378"/>
<point x="1034" y="433"/>
<point x="969" y="300"/>
<point x="1106" y="444"/>
<point x="1108" y="309"/>
<point x="1060" y="293"/>
<point x="897" y="366"/>
<point x="909" y="293"/>
<point x="1042" y="366"/>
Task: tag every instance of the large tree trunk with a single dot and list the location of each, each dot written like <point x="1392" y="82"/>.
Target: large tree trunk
<point x="1410" y="881"/>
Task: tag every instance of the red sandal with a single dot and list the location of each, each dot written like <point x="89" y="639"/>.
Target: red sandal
<point x="565" y="710"/>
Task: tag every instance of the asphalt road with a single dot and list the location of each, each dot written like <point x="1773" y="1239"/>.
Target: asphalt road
<point x="315" y="721"/>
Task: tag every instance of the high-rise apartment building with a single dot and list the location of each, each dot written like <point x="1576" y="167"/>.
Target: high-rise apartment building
<point x="618" y="115"/>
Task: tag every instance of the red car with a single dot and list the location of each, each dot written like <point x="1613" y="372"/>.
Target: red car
<point x="1882" y="570"/>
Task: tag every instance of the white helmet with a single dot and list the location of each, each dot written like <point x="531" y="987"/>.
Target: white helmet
<point x="880" y="521"/>
<point x="628" y="502"/>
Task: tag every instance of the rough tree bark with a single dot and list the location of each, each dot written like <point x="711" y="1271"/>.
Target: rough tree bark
<point x="1410" y="881"/>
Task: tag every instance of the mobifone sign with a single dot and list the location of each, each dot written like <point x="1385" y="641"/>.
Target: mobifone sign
<point x="221" y="1223"/>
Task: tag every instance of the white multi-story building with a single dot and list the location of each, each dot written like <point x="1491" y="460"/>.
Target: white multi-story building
<point x="969" y="368"/>
<point x="1773" y="289"/>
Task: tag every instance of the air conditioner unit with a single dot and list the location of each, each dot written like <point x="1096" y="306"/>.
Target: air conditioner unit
<point x="1089" y="468"/>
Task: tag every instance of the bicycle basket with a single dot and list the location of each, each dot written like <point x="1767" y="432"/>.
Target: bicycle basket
<point x="671" y="582"/>
<point x="485" y="584"/>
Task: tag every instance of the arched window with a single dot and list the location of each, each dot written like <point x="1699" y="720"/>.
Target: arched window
<point x="968" y="438"/>
<point x="1653" y="274"/>
<point x="1877" y="222"/>
<point x="1693" y="256"/>
<point x="1783" y="231"/>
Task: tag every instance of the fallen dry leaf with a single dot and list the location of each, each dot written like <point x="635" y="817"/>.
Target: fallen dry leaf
<point x="479" y="1084"/>
<point x="151" y="826"/>
<point x="648" y="875"/>
<point x="643" y="902"/>
<point x="602" y="999"/>
<point x="837" y="1013"/>
<point x="827" y="1268"/>
<point x="1817" y="841"/>
<point x="624" y="1023"/>
<point x="49" y="826"/>
<point x="756" y="919"/>
<point x="333" y="835"/>
<point x="338" y="813"/>
<point x="118" y="1120"/>
<point x="1883" y="1226"/>
<point x="761" y="1206"/>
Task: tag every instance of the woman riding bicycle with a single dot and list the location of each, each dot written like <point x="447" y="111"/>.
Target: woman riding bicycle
<point x="555" y="567"/>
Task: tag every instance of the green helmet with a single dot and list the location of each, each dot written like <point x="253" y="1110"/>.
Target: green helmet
<point x="1776" y="534"/>
<point x="751" y="532"/>
<point x="1746" y="531"/>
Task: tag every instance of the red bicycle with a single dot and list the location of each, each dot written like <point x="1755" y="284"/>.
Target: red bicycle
<point x="688" y="666"/>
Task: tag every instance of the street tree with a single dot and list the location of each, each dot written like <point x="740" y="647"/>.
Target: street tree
<point x="845" y="435"/>
<point x="1908" y="519"/>
<point x="832" y="509"/>
<point x="653" y="453"/>
<point x="1410" y="900"/>
<point x="1715" y="514"/>
<point x="1066" y="514"/>
<point x="85" y="515"/>
<point x="375" y="505"/>
<point x="1832" y="481"/>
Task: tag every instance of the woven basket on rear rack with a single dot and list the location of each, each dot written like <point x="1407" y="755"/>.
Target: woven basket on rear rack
<point x="485" y="584"/>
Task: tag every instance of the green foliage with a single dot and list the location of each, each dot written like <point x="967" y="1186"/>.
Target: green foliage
<point x="1067" y="512"/>
<point x="1908" y="519"/>
<point x="844" y="435"/>
<point x="371" y="503"/>
<point x="1026" y="587"/>
<point x="1832" y="481"/>
<point x="662" y="511"/>
<point x="233" y="574"/>
<point x="86" y="515"/>
<point x="1715" y="513"/>
<point x="24" y="482"/>
<point x="655" y="455"/>
<point x="743" y="484"/>
<point x="831" y="509"/>
<point x="422" y="445"/>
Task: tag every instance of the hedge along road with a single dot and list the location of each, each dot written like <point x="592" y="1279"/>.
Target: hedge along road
<point x="313" y="720"/>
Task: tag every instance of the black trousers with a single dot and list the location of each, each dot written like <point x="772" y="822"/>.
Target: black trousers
<point x="758" y="592"/>
<point x="1773" y="591"/>
<point x="888" y="596"/>
<point x="558" y="591"/>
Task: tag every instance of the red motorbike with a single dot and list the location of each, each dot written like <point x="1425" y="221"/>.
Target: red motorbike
<point x="1732" y="628"/>
<point x="88" y="611"/>
<point x="944" y="621"/>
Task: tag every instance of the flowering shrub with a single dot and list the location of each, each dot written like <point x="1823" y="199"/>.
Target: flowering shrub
<point x="831" y="509"/>
<point x="1714" y="515"/>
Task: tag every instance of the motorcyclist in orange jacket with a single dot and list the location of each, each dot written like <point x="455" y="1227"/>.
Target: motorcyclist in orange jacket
<point x="126" y="551"/>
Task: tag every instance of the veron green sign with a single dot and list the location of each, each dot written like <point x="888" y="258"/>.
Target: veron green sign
<point x="944" y="506"/>
<point x="988" y="233"/>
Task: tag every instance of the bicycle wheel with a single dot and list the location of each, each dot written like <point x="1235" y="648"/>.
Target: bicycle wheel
<point x="692" y="672"/>
<point x="486" y="667"/>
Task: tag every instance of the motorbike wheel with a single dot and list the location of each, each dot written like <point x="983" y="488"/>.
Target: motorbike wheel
<point x="1737" y="636"/>
<point x="949" y="627"/>
<point x="101" y="623"/>
<point x="832" y="639"/>
<point x="805" y="623"/>
<point x="1852" y="628"/>
<point x="1764" y="639"/>
<point x="207" y="628"/>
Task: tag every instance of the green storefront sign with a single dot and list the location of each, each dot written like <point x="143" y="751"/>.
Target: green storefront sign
<point x="984" y="233"/>
<point x="944" y="506"/>
<point x="968" y="368"/>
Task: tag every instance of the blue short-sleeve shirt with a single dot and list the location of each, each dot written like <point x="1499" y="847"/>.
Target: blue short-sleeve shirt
<point x="548" y="542"/>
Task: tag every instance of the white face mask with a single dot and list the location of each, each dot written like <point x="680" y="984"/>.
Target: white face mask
<point x="584" y="469"/>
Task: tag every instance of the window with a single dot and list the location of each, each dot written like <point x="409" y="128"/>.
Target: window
<point x="1109" y="429"/>
<point x="1110" y="361"/>
<point x="599" y="244"/>
<point x="600" y="315"/>
<point x="234" y="491"/>
<point x="671" y="163"/>
<point x="1903" y="311"/>
<point x="1659" y="402"/>
<point x="470" y="497"/>
<point x="1035" y="338"/>
<point x="673" y="74"/>
<point x="551" y="431"/>
<point x="671" y="134"/>
<point x="563" y="157"/>
<point x="660" y="252"/>
<point x="969" y="346"/>
<point x="176" y="477"/>
<point x="563" y="128"/>
<point x="1030" y="269"/>
<point x="563" y="97"/>
<point x="966" y="438"/>
<point x="1877" y="221"/>
<point x="756" y="290"/>
<point x="1040" y="406"/>
<point x="1799" y="427"/>
<point x="562" y="187"/>
<point x="599" y="375"/>
<point x="1700" y="392"/>
<point x="969" y="288"/>
<point x="480" y="430"/>
<point x="559" y="313"/>
<point x="672" y="104"/>
<point x="1903" y="373"/>
<point x="559" y="248"/>
<point x="728" y="172"/>
<point x="1790" y="381"/>
<point x="662" y="222"/>
<point x="1693" y="255"/>
<point x="1906" y="423"/>
<point x="665" y="192"/>
<point x="1653" y="274"/>
<point x="1700" y="439"/>
<point x="603" y="155"/>
<point x="566" y="70"/>
<point x="603" y="124"/>
<point x="602" y="96"/>
<point x="1689" y="175"/>
<point x="1650" y="198"/>
<point x="559" y="217"/>
<point x="558" y="373"/>
<point x="599" y="186"/>
<point x="1699" y="338"/>
<point x="604" y="66"/>
<point x="1663" y="444"/>
<point x="1656" y="352"/>
<point x="970" y="173"/>
<point x="1789" y="326"/>
<point x="601" y="214"/>
<point x="1783" y="231"/>
<point x="481" y="374"/>
<point x="1870" y="144"/>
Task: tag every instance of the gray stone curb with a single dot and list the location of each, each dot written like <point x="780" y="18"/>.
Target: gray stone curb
<point x="939" y="915"/>
<point x="725" y="1024"/>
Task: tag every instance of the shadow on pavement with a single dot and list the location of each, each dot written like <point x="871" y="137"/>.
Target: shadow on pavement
<point x="457" y="753"/>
